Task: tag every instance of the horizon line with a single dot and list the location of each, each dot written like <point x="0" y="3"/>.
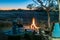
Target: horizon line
<point x="13" y="8"/>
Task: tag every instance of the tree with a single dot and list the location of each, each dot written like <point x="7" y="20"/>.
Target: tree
<point x="47" y="5"/>
<point x="59" y="9"/>
<point x="30" y="6"/>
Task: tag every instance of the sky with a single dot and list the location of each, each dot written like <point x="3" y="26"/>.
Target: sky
<point x="11" y="4"/>
<point x="15" y="4"/>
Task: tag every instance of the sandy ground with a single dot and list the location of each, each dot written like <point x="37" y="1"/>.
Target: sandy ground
<point x="55" y="38"/>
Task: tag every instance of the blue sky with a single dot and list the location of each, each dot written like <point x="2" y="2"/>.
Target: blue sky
<point x="14" y="3"/>
<point x="6" y="4"/>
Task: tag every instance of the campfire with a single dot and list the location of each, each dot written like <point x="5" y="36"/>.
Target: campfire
<point x="33" y="25"/>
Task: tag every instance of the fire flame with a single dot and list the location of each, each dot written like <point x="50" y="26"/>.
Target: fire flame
<point x="33" y="26"/>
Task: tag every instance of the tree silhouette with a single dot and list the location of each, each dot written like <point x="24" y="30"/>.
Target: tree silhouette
<point x="30" y="6"/>
<point x="47" y="5"/>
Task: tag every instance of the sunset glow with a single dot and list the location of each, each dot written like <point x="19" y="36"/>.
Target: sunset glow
<point x="13" y="8"/>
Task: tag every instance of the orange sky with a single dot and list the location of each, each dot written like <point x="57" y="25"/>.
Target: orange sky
<point x="12" y="8"/>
